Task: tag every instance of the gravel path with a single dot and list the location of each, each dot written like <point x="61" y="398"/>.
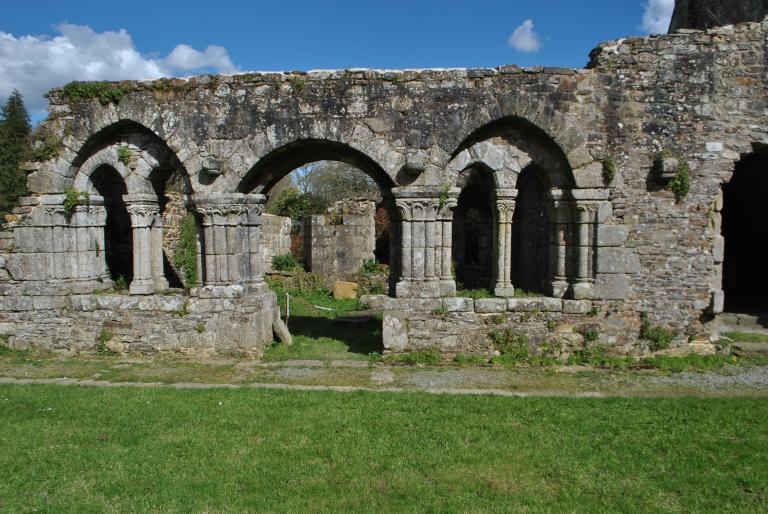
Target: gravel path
<point x="734" y="377"/>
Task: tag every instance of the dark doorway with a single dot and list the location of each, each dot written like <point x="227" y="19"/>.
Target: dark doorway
<point x="473" y="230"/>
<point x="530" y="229"/>
<point x="118" y="239"/>
<point x="745" y="229"/>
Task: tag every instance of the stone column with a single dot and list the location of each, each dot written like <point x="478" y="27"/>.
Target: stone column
<point x="584" y="228"/>
<point x="145" y="214"/>
<point x="559" y="216"/>
<point x="231" y="228"/>
<point x="505" y="209"/>
<point x="252" y="263"/>
<point x="445" y="246"/>
<point x="424" y="258"/>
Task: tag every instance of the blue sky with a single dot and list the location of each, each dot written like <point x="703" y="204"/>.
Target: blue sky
<point x="47" y="43"/>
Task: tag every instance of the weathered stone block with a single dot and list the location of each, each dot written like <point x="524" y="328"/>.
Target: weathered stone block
<point x="395" y="331"/>
<point x="454" y="304"/>
<point x="490" y="305"/>
<point x="610" y="287"/>
<point x="534" y="304"/>
<point x="617" y="260"/>
<point x="344" y="290"/>
<point x="718" y="249"/>
<point x="576" y="306"/>
<point x="612" y="235"/>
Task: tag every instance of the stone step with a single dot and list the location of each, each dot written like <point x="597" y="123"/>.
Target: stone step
<point x="729" y="321"/>
<point x="750" y="349"/>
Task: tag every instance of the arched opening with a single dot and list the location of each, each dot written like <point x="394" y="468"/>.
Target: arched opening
<point x="340" y="205"/>
<point x="152" y="171"/>
<point x="473" y="230"/>
<point x="118" y="242"/>
<point x="531" y="232"/>
<point x="533" y="218"/>
<point x="745" y="281"/>
<point x="340" y="210"/>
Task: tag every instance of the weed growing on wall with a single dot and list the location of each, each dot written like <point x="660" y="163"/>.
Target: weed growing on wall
<point x="185" y="257"/>
<point x="124" y="155"/>
<point x="71" y="198"/>
<point x="105" y="92"/>
<point x="658" y="337"/>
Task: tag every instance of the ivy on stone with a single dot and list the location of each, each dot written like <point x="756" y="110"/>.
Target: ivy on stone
<point x="185" y="257"/>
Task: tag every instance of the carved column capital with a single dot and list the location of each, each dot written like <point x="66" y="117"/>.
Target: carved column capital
<point x="229" y="208"/>
<point x="425" y="203"/>
<point x="144" y="209"/>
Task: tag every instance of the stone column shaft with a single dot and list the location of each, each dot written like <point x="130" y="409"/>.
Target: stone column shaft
<point x="144" y="211"/>
<point x="505" y="210"/>
<point x="559" y="216"/>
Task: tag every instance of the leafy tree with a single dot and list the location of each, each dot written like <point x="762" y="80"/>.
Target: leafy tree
<point x="291" y="203"/>
<point x="333" y="180"/>
<point x="14" y="146"/>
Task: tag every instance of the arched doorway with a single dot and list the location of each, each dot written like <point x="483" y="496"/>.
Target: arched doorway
<point x="118" y="239"/>
<point x="531" y="233"/>
<point x="473" y="230"/>
<point x="745" y="229"/>
<point x="316" y="174"/>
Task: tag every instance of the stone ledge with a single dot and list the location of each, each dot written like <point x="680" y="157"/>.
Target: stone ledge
<point x="91" y="302"/>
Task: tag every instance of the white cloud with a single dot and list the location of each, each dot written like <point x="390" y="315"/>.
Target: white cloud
<point x="524" y="38"/>
<point x="657" y="16"/>
<point x="35" y="64"/>
<point x="186" y="58"/>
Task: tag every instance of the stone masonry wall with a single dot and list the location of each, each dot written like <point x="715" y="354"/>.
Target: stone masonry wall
<point x="337" y="244"/>
<point x="275" y="238"/>
<point x="152" y="324"/>
<point x="463" y="325"/>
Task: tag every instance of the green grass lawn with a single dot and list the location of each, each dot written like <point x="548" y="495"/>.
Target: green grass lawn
<point x="70" y="449"/>
<point x="323" y="329"/>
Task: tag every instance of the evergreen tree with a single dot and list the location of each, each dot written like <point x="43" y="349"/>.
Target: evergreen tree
<point x="14" y="144"/>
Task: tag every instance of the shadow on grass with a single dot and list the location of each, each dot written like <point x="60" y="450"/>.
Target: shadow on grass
<point x="363" y="337"/>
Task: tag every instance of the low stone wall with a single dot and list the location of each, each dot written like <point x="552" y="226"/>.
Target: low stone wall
<point x="275" y="238"/>
<point x="240" y="324"/>
<point x="338" y="243"/>
<point x="457" y="325"/>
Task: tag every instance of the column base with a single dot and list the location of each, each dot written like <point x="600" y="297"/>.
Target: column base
<point x="582" y="290"/>
<point x="447" y="287"/>
<point x="161" y="284"/>
<point x="558" y="288"/>
<point x="418" y="289"/>
<point x="142" y="286"/>
<point x="218" y="291"/>
<point x="258" y="286"/>
<point x="504" y="291"/>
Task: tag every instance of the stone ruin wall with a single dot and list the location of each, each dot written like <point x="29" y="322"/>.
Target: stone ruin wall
<point x="337" y="244"/>
<point x="275" y="238"/>
<point x="697" y="94"/>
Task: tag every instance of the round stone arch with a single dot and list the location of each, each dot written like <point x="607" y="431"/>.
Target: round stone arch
<point x="347" y="139"/>
<point x="149" y="152"/>
<point x="275" y="165"/>
<point x="135" y="183"/>
<point x="513" y="143"/>
<point x="539" y="118"/>
<point x="278" y="163"/>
